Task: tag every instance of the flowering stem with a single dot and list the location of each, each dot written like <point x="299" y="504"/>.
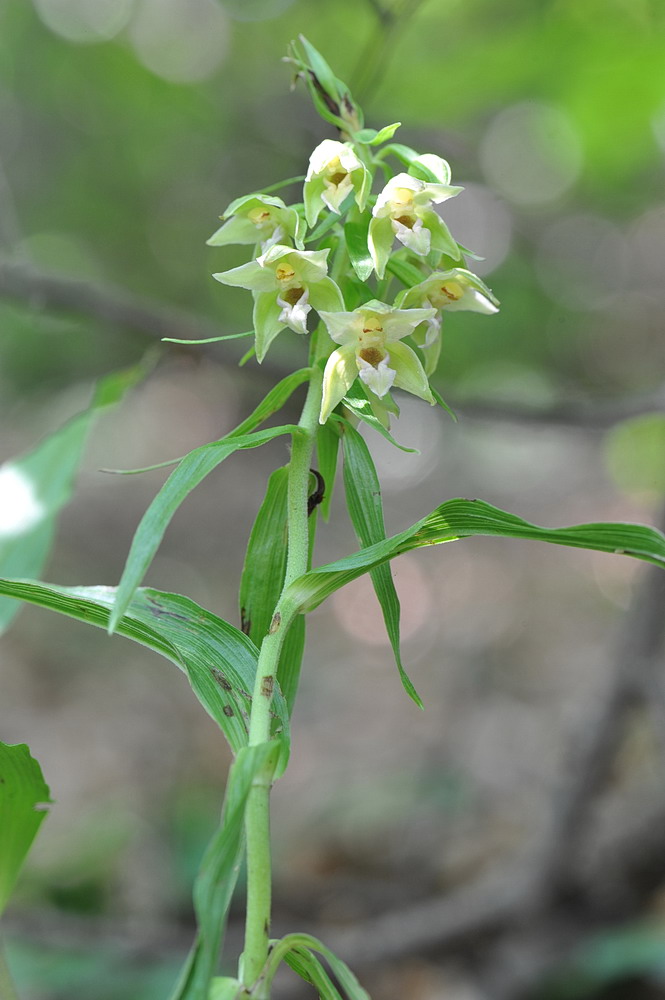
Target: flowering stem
<point x="257" y="816"/>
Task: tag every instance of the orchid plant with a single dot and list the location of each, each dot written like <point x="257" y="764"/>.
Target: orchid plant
<point x="363" y="268"/>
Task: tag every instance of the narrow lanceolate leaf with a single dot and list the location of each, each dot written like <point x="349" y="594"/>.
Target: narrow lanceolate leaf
<point x="327" y="448"/>
<point x="218" y="874"/>
<point x="219" y="661"/>
<point x="363" y="500"/>
<point x="297" y="950"/>
<point x="265" y="560"/>
<point x="263" y="579"/>
<point x="457" y="519"/>
<point x="310" y="969"/>
<point x="191" y="471"/>
<point x="24" y="799"/>
<point x="357" y="402"/>
<point x="35" y="487"/>
<point x="355" y="232"/>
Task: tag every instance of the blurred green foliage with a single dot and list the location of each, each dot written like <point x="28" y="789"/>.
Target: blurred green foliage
<point x="118" y="154"/>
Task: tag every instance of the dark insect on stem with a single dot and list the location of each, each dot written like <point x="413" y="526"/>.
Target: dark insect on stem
<point x="315" y="498"/>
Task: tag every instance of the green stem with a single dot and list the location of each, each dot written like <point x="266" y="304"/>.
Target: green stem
<point x="257" y="816"/>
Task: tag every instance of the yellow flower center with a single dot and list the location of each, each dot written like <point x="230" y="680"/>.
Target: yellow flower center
<point x="372" y="324"/>
<point x="284" y="272"/>
<point x="259" y="216"/>
<point x="402" y="197"/>
<point x="452" y="290"/>
<point x="335" y="172"/>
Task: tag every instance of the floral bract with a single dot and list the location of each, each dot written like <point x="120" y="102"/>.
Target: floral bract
<point x="371" y="348"/>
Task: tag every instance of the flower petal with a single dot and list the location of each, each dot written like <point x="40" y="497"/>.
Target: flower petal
<point x="326" y="295"/>
<point x="380" y="239"/>
<point x="250" y="275"/>
<point x="410" y="374"/>
<point x="340" y="373"/>
<point x="343" y="327"/>
<point x="294" y="315"/>
<point x="379" y="379"/>
<point x="441" y="236"/>
<point x="267" y="322"/>
<point x="417" y="238"/>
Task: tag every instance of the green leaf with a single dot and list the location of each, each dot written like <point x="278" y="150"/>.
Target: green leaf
<point x="290" y="661"/>
<point x="34" y="488"/>
<point x="297" y="951"/>
<point x="218" y="874"/>
<point x="191" y="471"/>
<point x="355" y="231"/>
<point x="460" y="518"/>
<point x="370" y="136"/>
<point x="405" y="272"/>
<point x="265" y="560"/>
<point x="309" y="968"/>
<point x="24" y="797"/>
<point x="218" y="659"/>
<point x="363" y="499"/>
<point x="327" y="447"/>
<point x="263" y="578"/>
<point x="357" y="402"/>
<point x="442" y="403"/>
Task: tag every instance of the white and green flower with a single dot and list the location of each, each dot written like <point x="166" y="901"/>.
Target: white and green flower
<point x="404" y="211"/>
<point x="445" y="291"/>
<point x="287" y="284"/>
<point x="334" y="172"/>
<point x="259" y="219"/>
<point x="371" y="349"/>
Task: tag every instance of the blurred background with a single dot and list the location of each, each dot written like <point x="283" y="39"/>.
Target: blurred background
<point x="507" y="841"/>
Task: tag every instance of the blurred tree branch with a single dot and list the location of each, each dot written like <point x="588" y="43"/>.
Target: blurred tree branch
<point x="42" y="291"/>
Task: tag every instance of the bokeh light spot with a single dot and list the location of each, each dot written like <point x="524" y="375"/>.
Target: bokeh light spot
<point x="19" y="507"/>
<point x="183" y="41"/>
<point x="482" y="223"/>
<point x="582" y="261"/>
<point x="531" y="153"/>
<point x="84" y="20"/>
<point x="256" y="10"/>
